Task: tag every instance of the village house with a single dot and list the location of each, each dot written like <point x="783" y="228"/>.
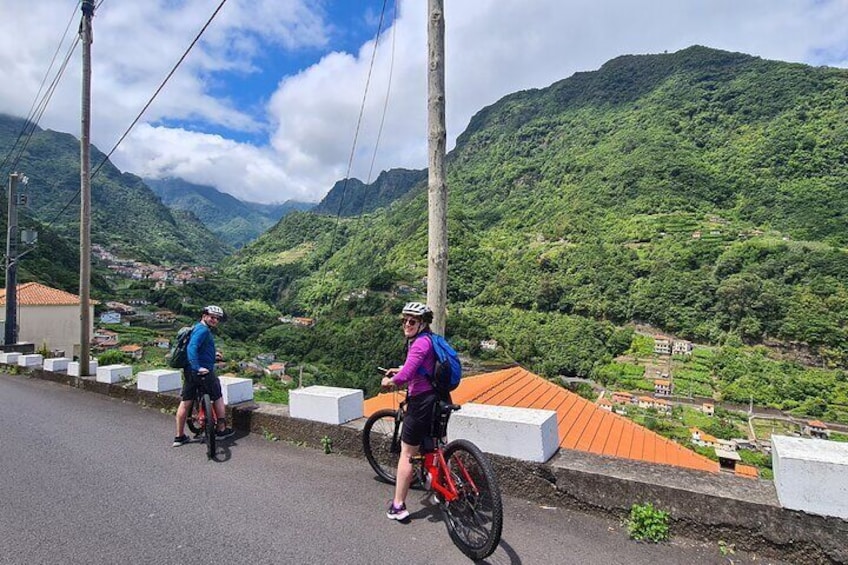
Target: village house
<point x="134" y="351"/>
<point x="662" y="406"/>
<point x="275" y="369"/>
<point x="681" y="347"/>
<point x="662" y="387"/>
<point x="605" y="404"/>
<point x="303" y="322"/>
<point x="104" y="339"/>
<point x="662" y="346"/>
<point x="817" y="429"/>
<point x="110" y="317"/>
<point x="703" y="439"/>
<point x="620" y="397"/>
<point x="164" y="316"/>
<point x="162" y="342"/>
<point x="48" y="317"/>
<point x="489" y="344"/>
<point x="708" y="408"/>
<point x="727" y="459"/>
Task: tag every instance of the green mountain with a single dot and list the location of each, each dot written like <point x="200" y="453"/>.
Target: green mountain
<point x="126" y="216"/>
<point x="702" y="192"/>
<point x="236" y="222"/>
<point x="352" y="197"/>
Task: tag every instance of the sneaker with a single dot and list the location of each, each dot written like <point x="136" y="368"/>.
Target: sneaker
<point x="395" y="513"/>
<point x="226" y="432"/>
<point x="180" y="440"/>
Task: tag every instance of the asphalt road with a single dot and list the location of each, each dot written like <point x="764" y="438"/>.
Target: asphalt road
<point x="89" y="479"/>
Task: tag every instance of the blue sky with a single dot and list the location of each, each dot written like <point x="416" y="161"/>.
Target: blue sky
<point x="265" y="107"/>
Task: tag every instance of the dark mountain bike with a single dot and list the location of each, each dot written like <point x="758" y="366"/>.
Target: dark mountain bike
<point x="457" y="473"/>
<point x="201" y="419"/>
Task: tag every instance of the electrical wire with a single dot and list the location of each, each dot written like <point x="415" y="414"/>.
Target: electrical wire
<point x="144" y="109"/>
<point x="31" y="122"/>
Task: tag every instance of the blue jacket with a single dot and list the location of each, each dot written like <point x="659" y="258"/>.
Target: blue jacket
<point x="201" y="348"/>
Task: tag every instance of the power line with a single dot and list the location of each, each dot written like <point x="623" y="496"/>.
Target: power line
<point x="358" y="125"/>
<point x="31" y="122"/>
<point x="146" y="106"/>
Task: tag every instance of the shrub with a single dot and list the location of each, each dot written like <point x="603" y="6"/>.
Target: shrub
<point x="112" y="357"/>
<point x="647" y="523"/>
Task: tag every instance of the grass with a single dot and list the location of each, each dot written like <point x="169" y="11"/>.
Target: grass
<point x="764" y="429"/>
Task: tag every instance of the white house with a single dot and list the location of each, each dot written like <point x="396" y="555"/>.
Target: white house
<point x="48" y="316"/>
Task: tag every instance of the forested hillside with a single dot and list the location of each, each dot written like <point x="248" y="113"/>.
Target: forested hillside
<point x="234" y="221"/>
<point x="352" y="197"/>
<point x="126" y="216"/>
<point x="701" y="191"/>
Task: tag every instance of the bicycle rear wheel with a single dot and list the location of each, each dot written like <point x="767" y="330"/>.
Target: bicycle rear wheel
<point x="194" y="419"/>
<point x="209" y="427"/>
<point x="381" y="443"/>
<point x="475" y="519"/>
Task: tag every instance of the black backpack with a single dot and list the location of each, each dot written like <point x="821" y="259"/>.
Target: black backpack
<point x="178" y="356"/>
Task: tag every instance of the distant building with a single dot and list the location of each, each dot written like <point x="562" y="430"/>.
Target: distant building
<point x="276" y="369"/>
<point x="662" y="346"/>
<point x="703" y="439"/>
<point x="662" y="387"/>
<point x="620" y="397"/>
<point x="110" y="318"/>
<point x="104" y="339"/>
<point x="681" y="347"/>
<point x="817" y="429"/>
<point x="708" y="408"/>
<point x="134" y="351"/>
<point x="488" y="345"/>
<point x="303" y="322"/>
<point x="605" y="404"/>
<point x="162" y="342"/>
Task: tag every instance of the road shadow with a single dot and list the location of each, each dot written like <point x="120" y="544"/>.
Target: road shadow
<point x="430" y="511"/>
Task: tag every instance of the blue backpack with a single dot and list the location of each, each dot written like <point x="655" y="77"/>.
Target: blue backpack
<point x="448" y="367"/>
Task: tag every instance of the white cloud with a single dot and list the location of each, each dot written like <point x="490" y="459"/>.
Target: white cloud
<point x="494" y="47"/>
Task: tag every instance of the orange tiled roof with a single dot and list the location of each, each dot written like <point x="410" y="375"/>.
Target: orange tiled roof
<point x="131" y="348"/>
<point x="35" y="294"/>
<point x="816" y="424"/>
<point x="747" y="471"/>
<point x="582" y="424"/>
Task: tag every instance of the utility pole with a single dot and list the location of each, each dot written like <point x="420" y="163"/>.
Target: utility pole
<point x="11" y="329"/>
<point x="85" y="189"/>
<point x="437" y="247"/>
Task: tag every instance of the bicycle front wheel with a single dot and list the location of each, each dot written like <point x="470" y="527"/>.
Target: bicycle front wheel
<point x="381" y="443"/>
<point x="475" y="519"/>
<point x="210" y="427"/>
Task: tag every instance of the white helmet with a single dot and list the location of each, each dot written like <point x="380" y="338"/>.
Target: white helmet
<point x="420" y="310"/>
<point x="213" y="310"/>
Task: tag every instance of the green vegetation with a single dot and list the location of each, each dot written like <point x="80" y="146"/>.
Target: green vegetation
<point x="647" y="523"/>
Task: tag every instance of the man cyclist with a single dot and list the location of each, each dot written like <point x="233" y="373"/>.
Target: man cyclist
<point x="421" y="397"/>
<point x="201" y="369"/>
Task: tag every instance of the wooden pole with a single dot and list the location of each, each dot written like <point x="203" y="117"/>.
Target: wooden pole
<point x="437" y="248"/>
<point x="85" y="190"/>
<point x="11" y="326"/>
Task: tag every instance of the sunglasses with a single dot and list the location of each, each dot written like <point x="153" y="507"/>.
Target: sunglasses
<point x="409" y="321"/>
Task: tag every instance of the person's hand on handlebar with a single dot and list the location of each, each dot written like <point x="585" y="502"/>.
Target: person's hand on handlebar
<point x="387" y="376"/>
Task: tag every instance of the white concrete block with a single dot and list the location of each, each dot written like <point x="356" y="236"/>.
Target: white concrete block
<point x="113" y="373"/>
<point x="56" y="364"/>
<point x="235" y="389"/>
<point x="328" y="404"/>
<point x="74" y="368"/>
<point x="811" y="475"/>
<point x="9" y="358"/>
<point x="31" y="360"/>
<point x="160" y="380"/>
<point x="522" y="433"/>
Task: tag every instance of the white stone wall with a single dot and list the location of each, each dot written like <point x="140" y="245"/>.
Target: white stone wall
<point x="57" y="326"/>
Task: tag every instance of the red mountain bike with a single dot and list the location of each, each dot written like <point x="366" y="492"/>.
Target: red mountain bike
<point x="457" y="473"/>
<point x="201" y="419"/>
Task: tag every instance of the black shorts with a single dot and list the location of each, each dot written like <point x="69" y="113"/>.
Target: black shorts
<point x="191" y="382"/>
<point x="418" y="420"/>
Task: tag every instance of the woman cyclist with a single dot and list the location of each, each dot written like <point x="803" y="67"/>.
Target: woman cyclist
<point x="421" y="397"/>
